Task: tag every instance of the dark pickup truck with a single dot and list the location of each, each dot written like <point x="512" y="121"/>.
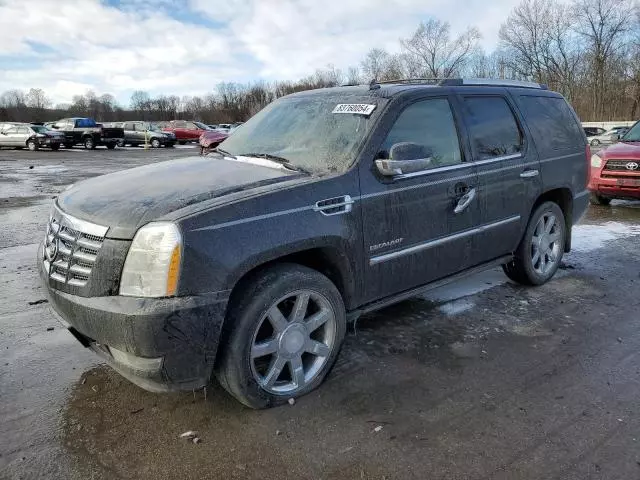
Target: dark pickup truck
<point x="247" y="263"/>
<point x="85" y="131"/>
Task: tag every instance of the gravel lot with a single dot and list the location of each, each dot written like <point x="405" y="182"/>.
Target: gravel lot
<point x="480" y="380"/>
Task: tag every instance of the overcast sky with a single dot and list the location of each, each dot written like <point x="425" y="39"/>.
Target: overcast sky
<point x="186" y="47"/>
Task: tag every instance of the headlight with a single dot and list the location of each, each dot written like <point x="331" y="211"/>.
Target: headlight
<point x="153" y="262"/>
<point x="596" y="161"/>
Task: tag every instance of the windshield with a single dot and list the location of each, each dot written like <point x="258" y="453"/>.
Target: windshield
<point x="39" y="129"/>
<point x="154" y="127"/>
<point x="633" y="135"/>
<point x="201" y="126"/>
<point x="305" y="132"/>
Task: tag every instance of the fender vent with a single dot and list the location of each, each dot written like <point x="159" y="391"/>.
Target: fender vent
<point x="334" y="206"/>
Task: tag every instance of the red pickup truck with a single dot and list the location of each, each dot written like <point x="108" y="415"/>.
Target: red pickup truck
<point x="186" y="131"/>
<point x="615" y="171"/>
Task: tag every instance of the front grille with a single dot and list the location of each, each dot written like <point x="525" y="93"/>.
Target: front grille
<point x="71" y="248"/>
<point x="623" y="166"/>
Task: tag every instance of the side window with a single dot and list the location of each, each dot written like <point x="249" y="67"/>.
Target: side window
<point x="128" y="126"/>
<point x="428" y="129"/>
<point x="553" y="124"/>
<point x="493" y="129"/>
<point x="24" y="130"/>
<point x="11" y="130"/>
<point x="180" y="124"/>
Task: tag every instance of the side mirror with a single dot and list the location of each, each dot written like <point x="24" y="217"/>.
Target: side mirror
<point x="405" y="158"/>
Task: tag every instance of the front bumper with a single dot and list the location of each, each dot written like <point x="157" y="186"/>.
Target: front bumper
<point x="181" y="333"/>
<point x="629" y="187"/>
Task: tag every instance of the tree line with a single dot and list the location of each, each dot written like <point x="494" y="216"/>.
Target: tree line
<point x="588" y="50"/>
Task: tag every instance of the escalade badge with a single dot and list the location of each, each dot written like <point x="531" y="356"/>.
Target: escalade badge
<point x="632" y="166"/>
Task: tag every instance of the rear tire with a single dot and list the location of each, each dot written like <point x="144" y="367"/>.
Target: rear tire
<point x="32" y="145"/>
<point x="89" y="144"/>
<point x="595" y="142"/>
<point x="596" y="199"/>
<point x="540" y="252"/>
<point x="271" y="353"/>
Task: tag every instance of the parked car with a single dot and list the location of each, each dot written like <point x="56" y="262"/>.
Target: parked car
<point x="593" y="131"/>
<point x="248" y="262"/>
<point x="34" y="137"/>
<point x="186" y="131"/>
<point x="615" y="171"/>
<point x="85" y="131"/>
<point x="607" y="138"/>
<point x="138" y="133"/>
<point x="5" y="125"/>
<point x="210" y="140"/>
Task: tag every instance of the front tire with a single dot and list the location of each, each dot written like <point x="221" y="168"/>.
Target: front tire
<point x="32" y="145"/>
<point x="284" y="331"/>
<point x="539" y="254"/>
<point x="596" y="199"/>
<point x="155" y="143"/>
<point x="595" y="142"/>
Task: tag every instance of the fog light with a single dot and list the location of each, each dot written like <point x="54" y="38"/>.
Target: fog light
<point x="143" y="364"/>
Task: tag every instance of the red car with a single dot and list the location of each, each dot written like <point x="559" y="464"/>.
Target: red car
<point x="615" y="171"/>
<point x="211" y="139"/>
<point x="186" y="131"/>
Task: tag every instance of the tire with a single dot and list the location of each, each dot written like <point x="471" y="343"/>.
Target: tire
<point x="89" y="144"/>
<point x="249" y="324"/>
<point x="529" y="266"/>
<point x="596" y="199"/>
<point x="595" y="142"/>
<point x="155" y="143"/>
<point x="32" y="145"/>
<point x="182" y="142"/>
<point x="121" y="143"/>
<point x="111" y="146"/>
<point x="55" y="147"/>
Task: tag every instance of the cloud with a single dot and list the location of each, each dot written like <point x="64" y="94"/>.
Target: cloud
<point x="186" y="47"/>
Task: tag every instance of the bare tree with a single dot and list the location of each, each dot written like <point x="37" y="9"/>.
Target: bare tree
<point x="436" y="53"/>
<point x="36" y="98"/>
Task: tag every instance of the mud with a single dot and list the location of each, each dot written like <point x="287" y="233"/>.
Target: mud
<point x="481" y="379"/>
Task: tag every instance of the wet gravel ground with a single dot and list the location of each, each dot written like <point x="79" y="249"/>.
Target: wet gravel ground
<point x="482" y="379"/>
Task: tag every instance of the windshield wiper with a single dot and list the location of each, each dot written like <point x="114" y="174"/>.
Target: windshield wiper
<point x="281" y="160"/>
<point x="223" y="152"/>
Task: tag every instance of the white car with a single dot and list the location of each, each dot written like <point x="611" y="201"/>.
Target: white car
<point x="608" y="137"/>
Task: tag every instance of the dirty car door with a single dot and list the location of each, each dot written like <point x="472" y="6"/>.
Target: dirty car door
<point x="412" y="233"/>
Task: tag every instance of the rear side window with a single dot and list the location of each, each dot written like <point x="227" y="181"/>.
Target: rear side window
<point x="553" y="124"/>
<point x="428" y="124"/>
<point x="128" y="126"/>
<point x="493" y="129"/>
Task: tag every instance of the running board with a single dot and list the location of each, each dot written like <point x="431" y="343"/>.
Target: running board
<point x="399" y="297"/>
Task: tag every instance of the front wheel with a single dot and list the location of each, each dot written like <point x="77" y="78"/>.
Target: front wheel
<point x="155" y="143"/>
<point x="32" y="145"/>
<point x="595" y="142"/>
<point x="285" y="329"/>
<point x="538" y="256"/>
<point x="596" y="199"/>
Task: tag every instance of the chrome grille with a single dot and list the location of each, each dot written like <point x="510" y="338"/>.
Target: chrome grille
<point x="71" y="247"/>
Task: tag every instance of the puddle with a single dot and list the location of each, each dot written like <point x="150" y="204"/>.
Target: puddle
<point x="587" y="238"/>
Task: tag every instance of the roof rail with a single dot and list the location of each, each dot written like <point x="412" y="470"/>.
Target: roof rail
<point x="493" y="82"/>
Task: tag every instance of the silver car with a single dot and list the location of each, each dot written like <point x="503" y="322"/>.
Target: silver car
<point x="33" y="137"/>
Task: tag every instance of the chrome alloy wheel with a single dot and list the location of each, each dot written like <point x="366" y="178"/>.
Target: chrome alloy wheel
<point x="546" y="243"/>
<point x="293" y="341"/>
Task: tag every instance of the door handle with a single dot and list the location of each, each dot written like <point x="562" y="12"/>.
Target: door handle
<point x="529" y="174"/>
<point x="465" y="201"/>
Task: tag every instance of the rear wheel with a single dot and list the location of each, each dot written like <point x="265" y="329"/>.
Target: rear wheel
<point x="596" y="199"/>
<point x="538" y="256"/>
<point x="595" y="142"/>
<point x="284" y="333"/>
<point x="89" y="144"/>
<point x="32" y="145"/>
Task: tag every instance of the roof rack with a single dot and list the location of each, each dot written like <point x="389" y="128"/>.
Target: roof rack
<point x="451" y="82"/>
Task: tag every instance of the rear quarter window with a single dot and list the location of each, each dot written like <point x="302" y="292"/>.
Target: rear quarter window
<point x="552" y="123"/>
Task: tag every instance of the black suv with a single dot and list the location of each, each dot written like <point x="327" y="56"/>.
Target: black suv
<point x="247" y="263"/>
<point x="87" y="132"/>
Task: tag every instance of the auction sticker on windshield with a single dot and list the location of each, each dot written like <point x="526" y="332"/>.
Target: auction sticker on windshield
<point x="358" y="108"/>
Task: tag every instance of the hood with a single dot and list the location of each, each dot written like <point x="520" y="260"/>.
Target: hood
<point x="126" y="200"/>
<point x="622" y="151"/>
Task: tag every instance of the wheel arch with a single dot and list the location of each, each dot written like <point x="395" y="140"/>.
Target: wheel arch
<point x="563" y="197"/>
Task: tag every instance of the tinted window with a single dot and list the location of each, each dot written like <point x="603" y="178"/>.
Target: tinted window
<point x="430" y="124"/>
<point x="552" y="123"/>
<point x="493" y="128"/>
